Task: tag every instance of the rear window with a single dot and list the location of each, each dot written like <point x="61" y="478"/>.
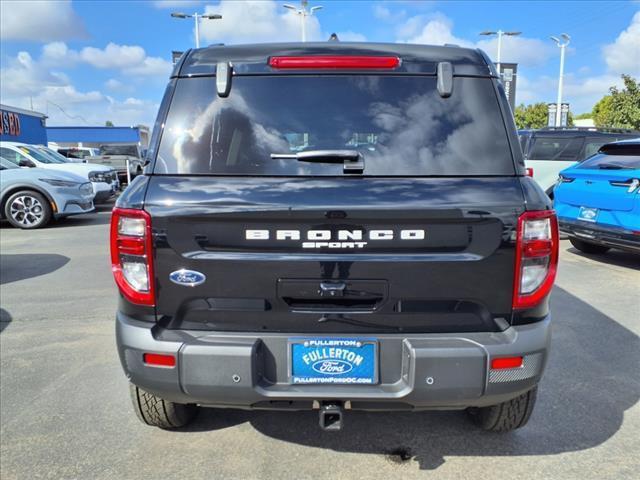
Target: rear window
<point x="565" y="149"/>
<point x="128" y="150"/>
<point x="616" y="161"/>
<point x="400" y="125"/>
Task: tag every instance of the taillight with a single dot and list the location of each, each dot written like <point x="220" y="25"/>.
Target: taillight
<point x="346" y="62"/>
<point x="131" y="250"/>
<point x="529" y="171"/>
<point x="536" y="265"/>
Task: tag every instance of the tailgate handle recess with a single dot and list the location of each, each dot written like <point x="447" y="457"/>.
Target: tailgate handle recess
<point x="332" y="289"/>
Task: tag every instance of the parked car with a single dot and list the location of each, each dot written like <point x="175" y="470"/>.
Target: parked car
<point x="598" y="200"/>
<point x="104" y="179"/>
<point x="334" y="226"/>
<point x="31" y="197"/>
<point x="120" y="157"/>
<point x="79" y="154"/>
<point x="550" y="150"/>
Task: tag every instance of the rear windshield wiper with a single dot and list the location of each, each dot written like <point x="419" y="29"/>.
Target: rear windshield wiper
<point x="613" y="166"/>
<point x="352" y="160"/>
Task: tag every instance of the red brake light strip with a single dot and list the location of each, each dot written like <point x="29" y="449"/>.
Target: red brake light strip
<point x="338" y="62"/>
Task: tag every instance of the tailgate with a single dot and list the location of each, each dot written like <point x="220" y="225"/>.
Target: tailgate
<point x="334" y="255"/>
<point x="604" y="189"/>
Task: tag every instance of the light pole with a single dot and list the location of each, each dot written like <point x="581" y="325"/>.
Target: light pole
<point x="499" y="33"/>
<point x="197" y="17"/>
<point x="562" y="46"/>
<point x="304" y="13"/>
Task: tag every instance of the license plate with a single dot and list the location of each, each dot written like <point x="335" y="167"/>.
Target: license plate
<point x="588" y="214"/>
<point x="337" y="361"/>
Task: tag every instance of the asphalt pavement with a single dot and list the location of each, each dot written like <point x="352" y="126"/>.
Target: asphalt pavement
<point x="65" y="410"/>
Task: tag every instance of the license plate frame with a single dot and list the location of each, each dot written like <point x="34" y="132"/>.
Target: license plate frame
<point x="332" y="361"/>
<point x="588" y="214"/>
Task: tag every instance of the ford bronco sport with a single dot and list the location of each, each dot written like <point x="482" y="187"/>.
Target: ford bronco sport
<point x="334" y="226"/>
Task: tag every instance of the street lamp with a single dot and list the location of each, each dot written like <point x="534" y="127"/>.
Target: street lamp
<point x="196" y="17"/>
<point x="499" y="33"/>
<point x="304" y="13"/>
<point x="562" y="46"/>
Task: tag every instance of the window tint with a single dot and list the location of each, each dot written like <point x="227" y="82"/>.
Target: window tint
<point x="11" y="155"/>
<point x="37" y="155"/>
<point x="556" y="148"/>
<point x="612" y="161"/>
<point x="53" y="154"/>
<point x="400" y="124"/>
<point x="129" y="150"/>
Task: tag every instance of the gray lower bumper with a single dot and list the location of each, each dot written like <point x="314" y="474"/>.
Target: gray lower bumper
<point x="245" y="370"/>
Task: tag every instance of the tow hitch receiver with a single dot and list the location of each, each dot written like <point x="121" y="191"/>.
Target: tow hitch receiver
<point x="331" y="417"/>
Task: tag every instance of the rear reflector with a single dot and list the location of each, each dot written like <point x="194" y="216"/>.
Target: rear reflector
<point x="159" y="360"/>
<point x="344" y="62"/>
<point x="536" y="262"/>
<point x="506" y="362"/>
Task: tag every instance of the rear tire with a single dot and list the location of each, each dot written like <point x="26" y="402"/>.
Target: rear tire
<point x="587" y="247"/>
<point x="28" y="210"/>
<point x="506" y="416"/>
<point x="157" y="412"/>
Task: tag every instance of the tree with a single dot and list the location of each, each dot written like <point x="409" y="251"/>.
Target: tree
<point x="621" y="108"/>
<point x="108" y="123"/>
<point x="531" y="116"/>
<point x="584" y="116"/>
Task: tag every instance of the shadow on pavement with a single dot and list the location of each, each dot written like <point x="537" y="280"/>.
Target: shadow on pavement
<point x="5" y="319"/>
<point x="619" y="258"/>
<point x="82" y="220"/>
<point x="591" y="379"/>
<point x="14" y="267"/>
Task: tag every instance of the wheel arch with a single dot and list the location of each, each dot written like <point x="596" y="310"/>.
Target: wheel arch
<point x="20" y="187"/>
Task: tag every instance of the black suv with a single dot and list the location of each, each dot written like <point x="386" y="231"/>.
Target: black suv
<point x="334" y="226"/>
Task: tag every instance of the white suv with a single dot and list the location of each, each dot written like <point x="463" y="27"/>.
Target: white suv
<point x="104" y="179"/>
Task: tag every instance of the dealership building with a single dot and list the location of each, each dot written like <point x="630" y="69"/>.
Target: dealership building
<point x="27" y="126"/>
<point x="19" y="125"/>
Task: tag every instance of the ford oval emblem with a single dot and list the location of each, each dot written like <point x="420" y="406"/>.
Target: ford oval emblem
<point x="187" y="278"/>
<point x="332" y="367"/>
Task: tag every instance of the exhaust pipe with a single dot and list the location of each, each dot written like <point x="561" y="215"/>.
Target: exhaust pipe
<point x="331" y="417"/>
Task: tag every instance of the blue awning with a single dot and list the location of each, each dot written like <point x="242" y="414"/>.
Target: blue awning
<point x="93" y="134"/>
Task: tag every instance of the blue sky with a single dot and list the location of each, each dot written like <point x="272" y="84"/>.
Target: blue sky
<point x="85" y="62"/>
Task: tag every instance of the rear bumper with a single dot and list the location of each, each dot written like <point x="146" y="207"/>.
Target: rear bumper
<point x="601" y="235"/>
<point x="243" y="370"/>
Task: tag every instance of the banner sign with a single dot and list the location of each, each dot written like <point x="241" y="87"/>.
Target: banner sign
<point x="9" y="123"/>
<point x="509" y="75"/>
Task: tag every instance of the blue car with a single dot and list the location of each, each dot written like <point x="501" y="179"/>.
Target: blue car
<point x="598" y="201"/>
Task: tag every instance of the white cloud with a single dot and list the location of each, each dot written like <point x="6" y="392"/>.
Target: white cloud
<point x="40" y="21"/>
<point x="151" y="67"/>
<point x="580" y="92"/>
<point x="623" y="55"/>
<point x="113" y="84"/>
<point x="255" y="21"/>
<point x="522" y="50"/>
<point x="25" y="81"/>
<point x="25" y="76"/>
<point x="131" y="59"/>
<point x="113" y="56"/>
<point x="437" y="29"/>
